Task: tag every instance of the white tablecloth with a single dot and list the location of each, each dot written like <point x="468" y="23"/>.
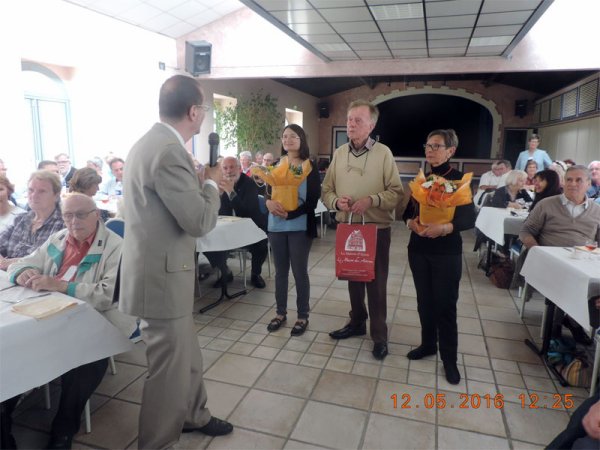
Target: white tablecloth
<point x="567" y="282"/>
<point x="34" y="352"/>
<point x="496" y="222"/>
<point x="230" y="233"/>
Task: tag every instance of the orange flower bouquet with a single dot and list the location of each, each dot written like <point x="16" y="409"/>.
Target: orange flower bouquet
<point x="438" y="197"/>
<point x="284" y="180"/>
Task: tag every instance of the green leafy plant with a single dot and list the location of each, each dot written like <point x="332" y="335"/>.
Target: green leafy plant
<point x="251" y="124"/>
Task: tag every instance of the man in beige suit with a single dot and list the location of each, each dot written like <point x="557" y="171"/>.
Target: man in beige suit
<point x="167" y="206"/>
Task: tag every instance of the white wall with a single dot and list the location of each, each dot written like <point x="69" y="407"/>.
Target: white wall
<point x="579" y="141"/>
<point x="286" y="98"/>
<point x="115" y="79"/>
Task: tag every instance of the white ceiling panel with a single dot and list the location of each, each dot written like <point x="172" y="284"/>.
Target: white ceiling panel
<point x="362" y="37"/>
<point x="441" y="23"/>
<point x="355" y="27"/>
<point x="345" y="14"/>
<point x="336" y="3"/>
<point x="504" y="30"/>
<point x="300" y="16"/>
<point x="283" y="5"/>
<point x="369" y="46"/>
<point x="321" y="38"/>
<point x="451" y="33"/>
<point x="312" y="28"/>
<point x="509" y="18"/>
<point x="452" y="8"/>
<point x="326" y="48"/>
<point x="374" y="54"/>
<point x="402" y="25"/>
<point x="398" y="45"/>
<point x="495" y="6"/>
<point x="329" y="23"/>
<point x="447" y="52"/>
<point x="410" y="53"/>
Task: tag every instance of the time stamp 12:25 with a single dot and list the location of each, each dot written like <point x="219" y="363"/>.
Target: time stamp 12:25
<point x="476" y="401"/>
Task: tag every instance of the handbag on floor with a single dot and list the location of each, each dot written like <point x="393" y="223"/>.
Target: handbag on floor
<point x="355" y="247"/>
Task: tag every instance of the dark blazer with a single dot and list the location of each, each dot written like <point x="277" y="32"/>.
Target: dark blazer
<point x="244" y="202"/>
<point x="502" y="197"/>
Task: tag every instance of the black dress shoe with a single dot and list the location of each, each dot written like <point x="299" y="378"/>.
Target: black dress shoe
<point x="421" y="352"/>
<point x="214" y="427"/>
<point x="257" y="281"/>
<point x="59" y="441"/>
<point x="349" y="331"/>
<point x="452" y="373"/>
<point x="380" y="350"/>
<point x="224" y="278"/>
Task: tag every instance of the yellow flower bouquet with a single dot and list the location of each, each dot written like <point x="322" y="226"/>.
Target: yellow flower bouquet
<point x="438" y="197"/>
<point x="284" y="180"/>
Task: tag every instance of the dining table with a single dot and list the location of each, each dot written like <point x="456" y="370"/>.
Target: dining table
<point x="230" y="233"/>
<point x="567" y="282"/>
<point x="495" y="224"/>
<point x="33" y="351"/>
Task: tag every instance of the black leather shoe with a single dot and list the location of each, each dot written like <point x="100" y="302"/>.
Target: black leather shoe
<point x="452" y="373"/>
<point x="421" y="352"/>
<point x="214" y="427"/>
<point x="349" y="331"/>
<point x="257" y="281"/>
<point x="60" y="442"/>
<point x="224" y="278"/>
<point x="380" y="350"/>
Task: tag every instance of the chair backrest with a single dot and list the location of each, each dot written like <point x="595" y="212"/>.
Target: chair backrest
<point x="117" y="226"/>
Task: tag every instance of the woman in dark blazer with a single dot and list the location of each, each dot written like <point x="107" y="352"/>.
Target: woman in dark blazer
<point x="435" y="259"/>
<point x="291" y="232"/>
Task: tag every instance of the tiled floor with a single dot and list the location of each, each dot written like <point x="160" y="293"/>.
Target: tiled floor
<point x="314" y="392"/>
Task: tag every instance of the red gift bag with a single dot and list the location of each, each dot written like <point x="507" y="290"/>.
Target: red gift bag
<point x="355" y="247"/>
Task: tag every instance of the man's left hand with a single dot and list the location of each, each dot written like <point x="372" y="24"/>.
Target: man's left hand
<point x="360" y="206"/>
<point x="45" y="283"/>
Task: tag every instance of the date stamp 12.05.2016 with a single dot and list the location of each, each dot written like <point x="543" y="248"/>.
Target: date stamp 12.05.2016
<point x="476" y="401"/>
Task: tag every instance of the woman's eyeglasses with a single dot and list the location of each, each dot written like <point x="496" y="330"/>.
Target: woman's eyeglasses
<point x="434" y="147"/>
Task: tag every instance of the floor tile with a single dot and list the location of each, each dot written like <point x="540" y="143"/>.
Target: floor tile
<point x="288" y="379"/>
<point x="401" y="400"/>
<point x="327" y="425"/>
<point x="479" y="417"/>
<point x="385" y="432"/>
<point x="237" y="369"/>
<point x="114" y="425"/>
<point x="452" y="439"/>
<point x="245" y="439"/>
<point x="534" y="425"/>
<point x="345" y="389"/>
<point x="268" y="412"/>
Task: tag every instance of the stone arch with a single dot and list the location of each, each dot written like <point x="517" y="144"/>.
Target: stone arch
<point x="446" y="90"/>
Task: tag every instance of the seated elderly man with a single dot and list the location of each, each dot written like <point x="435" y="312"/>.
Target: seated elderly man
<point x="492" y="180"/>
<point x="240" y="198"/>
<point x="32" y="229"/>
<point x="565" y="220"/>
<point x="81" y="261"/>
<point x="594" y="190"/>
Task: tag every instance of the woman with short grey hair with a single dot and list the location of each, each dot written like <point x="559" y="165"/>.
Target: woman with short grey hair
<point x="513" y="194"/>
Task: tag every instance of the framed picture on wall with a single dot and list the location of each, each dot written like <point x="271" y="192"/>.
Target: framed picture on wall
<point x="338" y="137"/>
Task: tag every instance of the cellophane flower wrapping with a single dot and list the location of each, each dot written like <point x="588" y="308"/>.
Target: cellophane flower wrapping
<point x="438" y="197"/>
<point x="283" y="181"/>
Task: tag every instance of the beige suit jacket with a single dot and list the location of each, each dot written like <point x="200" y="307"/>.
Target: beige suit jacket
<point x="166" y="208"/>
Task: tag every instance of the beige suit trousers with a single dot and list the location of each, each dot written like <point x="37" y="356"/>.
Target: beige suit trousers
<point x="174" y="394"/>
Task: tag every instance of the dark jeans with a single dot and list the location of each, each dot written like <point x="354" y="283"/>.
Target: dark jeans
<point x="77" y="386"/>
<point x="291" y="248"/>
<point x="258" y="250"/>
<point x="437" y="278"/>
<point x="376" y="291"/>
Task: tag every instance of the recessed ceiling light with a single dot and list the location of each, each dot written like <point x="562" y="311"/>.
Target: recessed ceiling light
<point x="395" y="12"/>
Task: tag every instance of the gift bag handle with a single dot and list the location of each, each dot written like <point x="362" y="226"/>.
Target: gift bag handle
<point x="350" y="219"/>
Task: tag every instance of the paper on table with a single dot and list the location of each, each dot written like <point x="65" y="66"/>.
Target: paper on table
<point x="45" y="307"/>
<point x="229" y="218"/>
<point x="5" y="284"/>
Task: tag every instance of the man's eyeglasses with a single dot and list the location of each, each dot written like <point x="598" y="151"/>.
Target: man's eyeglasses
<point x="204" y="107"/>
<point x="434" y="147"/>
<point x="67" y="217"/>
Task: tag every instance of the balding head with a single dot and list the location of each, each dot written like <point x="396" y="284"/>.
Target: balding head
<point x="80" y="215"/>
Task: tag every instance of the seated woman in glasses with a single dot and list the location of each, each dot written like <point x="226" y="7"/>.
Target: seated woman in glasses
<point x="32" y="229"/>
<point x="514" y="194"/>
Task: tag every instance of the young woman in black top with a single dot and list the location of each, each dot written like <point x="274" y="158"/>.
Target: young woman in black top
<point x="546" y="184"/>
<point x="435" y="258"/>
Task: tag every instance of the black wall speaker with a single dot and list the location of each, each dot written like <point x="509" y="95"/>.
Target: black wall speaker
<point x="197" y="57"/>
<point x="323" y="110"/>
<point x="521" y="108"/>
